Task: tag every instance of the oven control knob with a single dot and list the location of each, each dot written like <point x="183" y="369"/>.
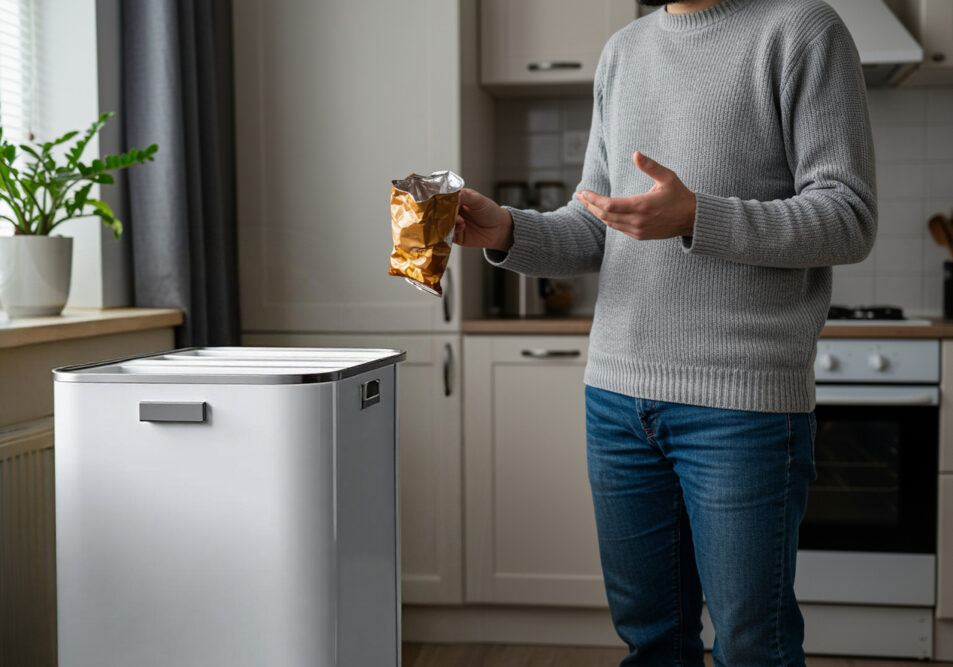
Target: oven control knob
<point x="877" y="361"/>
<point x="827" y="362"/>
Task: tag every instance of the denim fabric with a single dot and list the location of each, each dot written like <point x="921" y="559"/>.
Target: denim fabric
<point x="689" y="499"/>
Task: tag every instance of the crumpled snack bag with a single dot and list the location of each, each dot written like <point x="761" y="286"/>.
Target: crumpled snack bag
<point x="423" y="213"/>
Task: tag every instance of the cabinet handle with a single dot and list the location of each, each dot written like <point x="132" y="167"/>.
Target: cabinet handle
<point x="447" y="294"/>
<point x="549" y="65"/>
<point x="159" y="411"/>
<point x="447" y="364"/>
<point x="551" y="354"/>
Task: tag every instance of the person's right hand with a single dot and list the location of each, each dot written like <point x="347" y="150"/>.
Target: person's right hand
<point x="482" y="223"/>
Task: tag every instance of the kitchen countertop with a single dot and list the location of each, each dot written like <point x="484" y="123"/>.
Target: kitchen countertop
<point x="548" y="326"/>
<point x="85" y="322"/>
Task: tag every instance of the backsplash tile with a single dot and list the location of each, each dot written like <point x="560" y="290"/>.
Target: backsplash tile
<point x="900" y="142"/>
<point x="939" y="178"/>
<point x="939" y="105"/>
<point x="853" y="290"/>
<point x="898" y="255"/>
<point x="900" y="218"/>
<point x="530" y="138"/>
<point x="897" y="180"/>
<point x="890" y="106"/>
<point x="913" y="137"/>
<point x="939" y="142"/>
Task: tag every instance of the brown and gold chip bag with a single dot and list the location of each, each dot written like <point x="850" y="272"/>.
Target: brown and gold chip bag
<point x="423" y="213"/>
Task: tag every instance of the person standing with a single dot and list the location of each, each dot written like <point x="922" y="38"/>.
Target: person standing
<point x="729" y="166"/>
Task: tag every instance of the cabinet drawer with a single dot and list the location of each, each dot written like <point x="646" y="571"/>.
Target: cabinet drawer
<point x="537" y="350"/>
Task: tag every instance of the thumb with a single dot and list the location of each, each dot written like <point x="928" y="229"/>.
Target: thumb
<point x="653" y="169"/>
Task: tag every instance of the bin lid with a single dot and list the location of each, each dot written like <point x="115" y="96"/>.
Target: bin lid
<point x="235" y="365"/>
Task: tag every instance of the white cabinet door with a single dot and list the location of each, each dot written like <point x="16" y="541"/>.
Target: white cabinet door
<point x="530" y="530"/>
<point x="430" y="477"/>
<point x="530" y="42"/>
<point x="333" y="100"/>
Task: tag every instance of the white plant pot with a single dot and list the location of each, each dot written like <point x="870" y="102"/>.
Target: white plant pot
<point x="35" y="274"/>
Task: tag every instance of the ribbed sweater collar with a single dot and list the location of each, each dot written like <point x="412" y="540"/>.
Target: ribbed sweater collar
<point x="696" y="20"/>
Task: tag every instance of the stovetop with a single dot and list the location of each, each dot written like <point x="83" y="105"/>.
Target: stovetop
<point x="867" y="315"/>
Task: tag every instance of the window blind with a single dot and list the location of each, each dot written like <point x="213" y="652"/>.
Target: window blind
<point x="18" y="69"/>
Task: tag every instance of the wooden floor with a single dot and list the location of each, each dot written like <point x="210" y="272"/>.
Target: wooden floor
<point x="491" y="655"/>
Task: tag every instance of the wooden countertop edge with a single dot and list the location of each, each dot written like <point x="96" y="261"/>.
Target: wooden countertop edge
<point x="553" y="326"/>
<point x="939" y="329"/>
<point x="84" y="323"/>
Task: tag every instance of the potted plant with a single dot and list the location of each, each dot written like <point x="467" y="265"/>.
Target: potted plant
<point x="41" y="187"/>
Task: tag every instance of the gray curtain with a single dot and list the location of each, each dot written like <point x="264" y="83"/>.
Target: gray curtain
<point x="177" y="92"/>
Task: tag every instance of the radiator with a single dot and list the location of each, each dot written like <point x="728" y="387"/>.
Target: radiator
<point x="27" y="548"/>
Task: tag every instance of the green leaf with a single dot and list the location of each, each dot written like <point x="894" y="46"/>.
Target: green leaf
<point x="104" y="179"/>
<point x="31" y="151"/>
<point x="9" y="152"/>
<point x="98" y="165"/>
<point x="102" y="208"/>
<point x="81" y="195"/>
<point x="66" y="137"/>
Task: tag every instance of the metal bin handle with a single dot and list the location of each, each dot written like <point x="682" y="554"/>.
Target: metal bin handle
<point x="160" y="411"/>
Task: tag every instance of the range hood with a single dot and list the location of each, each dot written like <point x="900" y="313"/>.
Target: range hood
<point x="887" y="50"/>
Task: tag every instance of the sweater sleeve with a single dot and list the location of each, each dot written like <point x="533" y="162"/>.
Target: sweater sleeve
<point x="832" y="217"/>
<point x="569" y="240"/>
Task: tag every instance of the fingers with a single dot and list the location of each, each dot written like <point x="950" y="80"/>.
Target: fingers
<point x="470" y="198"/>
<point x="653" y="169"/>
<point x="609" y="209"/>
<point x="460" y="232"/>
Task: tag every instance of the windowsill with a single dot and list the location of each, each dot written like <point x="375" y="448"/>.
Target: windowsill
<point x="83" y="323"/>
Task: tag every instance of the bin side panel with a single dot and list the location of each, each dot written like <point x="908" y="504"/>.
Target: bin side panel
<point x="369" y="599"/>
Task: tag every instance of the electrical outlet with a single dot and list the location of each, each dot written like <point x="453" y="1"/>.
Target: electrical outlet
<point x="574" y="146"/>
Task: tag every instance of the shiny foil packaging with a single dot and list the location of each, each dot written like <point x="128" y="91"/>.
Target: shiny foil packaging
<point x="423" y="214"/>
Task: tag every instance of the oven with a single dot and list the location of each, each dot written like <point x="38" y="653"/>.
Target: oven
<point x="869" y="532"/>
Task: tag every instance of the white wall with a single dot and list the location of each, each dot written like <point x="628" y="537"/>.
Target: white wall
<point x="69" y="101"/>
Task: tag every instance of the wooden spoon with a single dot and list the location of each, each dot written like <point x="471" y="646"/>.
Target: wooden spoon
<point x="941" y="229"/>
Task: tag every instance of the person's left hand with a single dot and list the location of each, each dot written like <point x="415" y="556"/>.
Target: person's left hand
<point x="665" y="211"/>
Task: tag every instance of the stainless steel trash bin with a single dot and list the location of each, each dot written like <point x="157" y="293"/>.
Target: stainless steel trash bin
<point x="228" y="506"/>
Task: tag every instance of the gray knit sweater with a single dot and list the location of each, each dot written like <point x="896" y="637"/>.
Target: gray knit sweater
<point x="759" y="107"/>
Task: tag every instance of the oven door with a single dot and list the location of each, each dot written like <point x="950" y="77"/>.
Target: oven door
<point x="876" y="457"/>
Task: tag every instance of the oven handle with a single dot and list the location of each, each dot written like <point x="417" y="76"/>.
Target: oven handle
<point x="865" y="395"/>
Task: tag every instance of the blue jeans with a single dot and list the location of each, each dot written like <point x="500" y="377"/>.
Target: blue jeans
<point x="689" y="499"/>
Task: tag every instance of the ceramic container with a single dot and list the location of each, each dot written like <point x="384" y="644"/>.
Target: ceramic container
<point x="35" y="274"/>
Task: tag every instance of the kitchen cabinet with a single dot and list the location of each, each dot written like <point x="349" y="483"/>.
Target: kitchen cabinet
<point x="429" y="424"/>
<point x="530" y="530"/>
<point x="931" y="22"/>
<point x="544" y="42"/>
<point x="333" y="100"/>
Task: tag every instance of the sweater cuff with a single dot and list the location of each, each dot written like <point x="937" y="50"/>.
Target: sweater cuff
<point x="522" y="255"/>
<point x="713" y="223"/>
